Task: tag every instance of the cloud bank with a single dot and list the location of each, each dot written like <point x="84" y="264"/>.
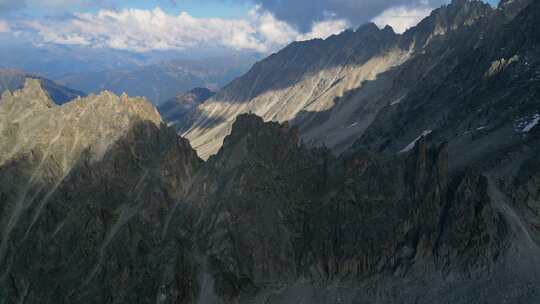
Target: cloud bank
<point x="148" y="30"/>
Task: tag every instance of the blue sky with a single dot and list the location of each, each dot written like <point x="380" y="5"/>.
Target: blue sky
<point x="197" y="8"/>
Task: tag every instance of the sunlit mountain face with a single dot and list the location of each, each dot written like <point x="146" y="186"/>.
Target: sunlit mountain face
<point x="272" y="152"/>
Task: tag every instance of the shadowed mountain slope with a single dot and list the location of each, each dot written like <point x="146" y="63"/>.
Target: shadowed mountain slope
<point x="178" y="107"/>
<point x="282" y="223"/>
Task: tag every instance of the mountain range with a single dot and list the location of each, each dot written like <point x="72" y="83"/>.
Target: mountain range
<point x="160" y="82"/>
<point x="370" y="167"/>
<point x="156" y="75"/>
<point x="53" y="60"/>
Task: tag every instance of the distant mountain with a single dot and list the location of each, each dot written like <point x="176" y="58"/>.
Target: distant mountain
<point x="52" y="61"/>
<point x="163" y="81"/>
<point x="176" y="108"/>
<point x="13" y="80"/>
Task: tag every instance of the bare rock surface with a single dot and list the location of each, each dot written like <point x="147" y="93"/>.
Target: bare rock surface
<point x="87" y="194"/>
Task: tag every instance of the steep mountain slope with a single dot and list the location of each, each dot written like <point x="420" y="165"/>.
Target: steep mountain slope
<point x="331" y="89"/>
<point x="486" y="106"/>
<point x="161" y="82"/>
<point x="176" y="108"/>
<point x="13" y="80"/>
<point x="281" y="223"/>
<point x="481" y="97"/>
<point x="88" y="191"/>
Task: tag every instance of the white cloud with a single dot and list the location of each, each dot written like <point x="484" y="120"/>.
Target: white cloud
<point x="402" y="18"/>
<point x="324" y="29"/>
<point x="145" y="30"/>
<point x="270" y="28"/>
<point x="4" y="27"/>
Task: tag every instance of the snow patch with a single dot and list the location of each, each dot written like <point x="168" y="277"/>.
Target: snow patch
<point x="410" y="146"/>
<point x="526" y="125"/>
<point x="397" y="101"/>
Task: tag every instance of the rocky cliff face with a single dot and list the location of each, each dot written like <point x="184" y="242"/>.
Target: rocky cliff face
<point x="88" y="192"/>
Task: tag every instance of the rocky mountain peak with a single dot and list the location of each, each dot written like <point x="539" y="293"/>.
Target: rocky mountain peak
<point x="99" y="173"/>
<point x="136" y="107"/>
<point x="447" y="18"/>
<point x="33" y="95"/>
<point x="368" y="27"/>
<point x="251" y="125"/>
<point x="252" y="138"/>
<point x="29" y="118"/>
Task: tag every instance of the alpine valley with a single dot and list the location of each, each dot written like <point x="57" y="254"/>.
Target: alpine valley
<point x="367" y="168"/>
